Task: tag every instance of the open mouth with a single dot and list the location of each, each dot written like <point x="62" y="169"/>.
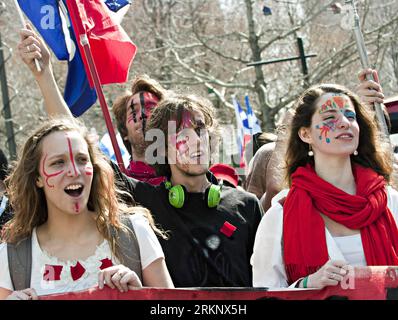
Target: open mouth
<point x="345" y="136"/>
<point x="196" y="155"/>
<point x="74" y="190"/>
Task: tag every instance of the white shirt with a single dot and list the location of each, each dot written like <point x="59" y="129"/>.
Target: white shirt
<point x="267" y="258"/>
<point x="42" y="279"/>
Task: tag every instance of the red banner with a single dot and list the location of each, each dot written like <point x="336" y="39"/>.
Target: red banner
<point x="368" y="283"/>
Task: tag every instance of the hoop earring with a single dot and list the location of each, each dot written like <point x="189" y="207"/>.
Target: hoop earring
<point x="355" y="153"/>
<point x="310" y="152"/>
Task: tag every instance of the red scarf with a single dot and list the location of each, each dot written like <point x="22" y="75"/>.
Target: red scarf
<point x="304" y="237"/>
<point x="144" y="172"/>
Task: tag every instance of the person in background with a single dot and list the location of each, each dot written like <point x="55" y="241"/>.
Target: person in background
<point x="225" y="174"/>
<point x="256" y="178"/>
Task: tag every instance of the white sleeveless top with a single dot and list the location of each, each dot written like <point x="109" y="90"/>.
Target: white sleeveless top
<point x="352" y="249"/>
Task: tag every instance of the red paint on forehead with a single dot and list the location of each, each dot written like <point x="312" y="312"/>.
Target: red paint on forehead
<point x="186" y="120"/>
<point x="48" y="176"/>
<point x="150" y="103"/>
<point x="71" y="153"/>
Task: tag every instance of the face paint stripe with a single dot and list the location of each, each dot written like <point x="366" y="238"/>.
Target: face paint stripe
<point x="48" y="176"/>
<point x="143" y="115"/>
<point x="71" y="155"/>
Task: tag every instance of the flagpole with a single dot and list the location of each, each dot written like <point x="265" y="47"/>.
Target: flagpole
<point x="94" y="75"/>
<point x="23" y="22"/>
<point x="82" y="36"/>
<point x="365" y="64"/>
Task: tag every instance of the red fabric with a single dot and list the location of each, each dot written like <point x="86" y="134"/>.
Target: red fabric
<point x="367" y="283"/>
<point x="228" y="229"/>
<point x="112" y="49"/>
<point x="225" y="172"/>
<point x="77" y="271"/>
<point x="106" y="263"/>
<point x="304" y="238"/>
<point x="141" y="171"/>
<point x="52" y="272"/>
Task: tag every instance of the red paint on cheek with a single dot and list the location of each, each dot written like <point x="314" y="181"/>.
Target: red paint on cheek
<point x="89" y="170"/>
<point x="130" y="119"/>
<point x="182" y="146"/>
<point x="71" y="155"/>
<point x="47" y="175"/>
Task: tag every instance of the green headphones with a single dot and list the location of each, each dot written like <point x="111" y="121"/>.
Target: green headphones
<point x="177" y="195"/>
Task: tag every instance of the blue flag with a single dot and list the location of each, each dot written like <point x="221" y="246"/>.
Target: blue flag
<point x="116" y="5"/>
<point x="254" y="124"/>
<point x="53" y="25"/>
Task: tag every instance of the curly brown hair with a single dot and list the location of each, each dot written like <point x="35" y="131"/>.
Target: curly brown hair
<point x="28" y="200"/>
<point x="142" y="83"/>
<point x="171" y="108"/>
<point x="372" y="151"/>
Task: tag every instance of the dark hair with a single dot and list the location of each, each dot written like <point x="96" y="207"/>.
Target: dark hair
<point x="3" y="166"/>
<point x="372" y="153"/>
<point x="262" y="138"/>
<point x="119" y="108"/>
<point x="172" y="108"/>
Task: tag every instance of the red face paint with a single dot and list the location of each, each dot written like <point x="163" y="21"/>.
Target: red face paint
<point x="131" y="118"/>
<point x="48" y="176"/>
<point x="71" y="155"/>
<point x="186" y="120"/>
<point x="182" y="145"/>
<point x="77" y="207"/>
<point x="148" y="103"/>
<point x="89" y="170"/>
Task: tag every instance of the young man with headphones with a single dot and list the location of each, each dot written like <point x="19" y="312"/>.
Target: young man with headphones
<point x="211" y="227"/>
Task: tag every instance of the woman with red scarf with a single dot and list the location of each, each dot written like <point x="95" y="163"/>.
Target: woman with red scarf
<point x="340" y="210"/>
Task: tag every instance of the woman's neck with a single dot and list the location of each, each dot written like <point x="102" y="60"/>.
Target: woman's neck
<point x="338" y="172"/>
<point x="64" y="227"/>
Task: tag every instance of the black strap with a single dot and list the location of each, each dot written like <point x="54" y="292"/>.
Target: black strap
<point x="20" y="263"/>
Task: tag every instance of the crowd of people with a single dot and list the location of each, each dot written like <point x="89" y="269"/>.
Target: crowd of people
<point x="318" y="197"/>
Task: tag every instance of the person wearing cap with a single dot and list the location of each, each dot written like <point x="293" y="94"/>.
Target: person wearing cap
<point x="225" y="174"/>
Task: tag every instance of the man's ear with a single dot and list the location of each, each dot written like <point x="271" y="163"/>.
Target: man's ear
<point x="305" y="135"/>
<point x="125" y="138"/>
<point x="39" y="182"/>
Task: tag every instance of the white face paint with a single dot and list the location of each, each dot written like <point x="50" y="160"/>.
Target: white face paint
<point x="66" y="172"/>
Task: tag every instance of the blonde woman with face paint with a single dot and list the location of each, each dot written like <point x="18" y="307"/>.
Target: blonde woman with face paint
<point x="340" y="211"/>
<point x="63" y="197"/>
